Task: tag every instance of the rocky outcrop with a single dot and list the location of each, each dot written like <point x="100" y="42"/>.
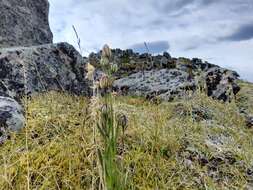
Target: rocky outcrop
<point x="221" y="83"/>
<point x="30" y="70"/>
<point x="11" y="117"/>
<point x="42" y="68"/>
<point x="27" y="70"/>
<point x="30" y="63"/>
<point x="167" y="78"/>
<point x="24" y="23"/>
<point x="130" y="62"/>
<point x="164" y="84"/>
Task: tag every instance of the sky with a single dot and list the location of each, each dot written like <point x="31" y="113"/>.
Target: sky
<point x="217" y="31"/>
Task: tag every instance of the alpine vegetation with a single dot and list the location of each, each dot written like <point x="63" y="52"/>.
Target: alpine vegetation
<point x="117" y="119"/>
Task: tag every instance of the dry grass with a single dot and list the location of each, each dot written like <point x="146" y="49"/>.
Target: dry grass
<point x="167" y="146"/>
<point x="245" y="98"/>
<point x="59" y="145"/>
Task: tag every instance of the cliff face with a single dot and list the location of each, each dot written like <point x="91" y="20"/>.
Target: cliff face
<point x="24" y="23"/>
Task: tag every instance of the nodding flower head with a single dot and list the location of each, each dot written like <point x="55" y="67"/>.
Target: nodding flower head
<point x="104" y="82"/>
<point x="122" y="121"/>
<point x="106" y="52"/>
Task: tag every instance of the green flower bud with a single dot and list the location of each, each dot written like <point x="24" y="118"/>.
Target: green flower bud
<point x="114" y="68"/>
<point x="104" y="61"/>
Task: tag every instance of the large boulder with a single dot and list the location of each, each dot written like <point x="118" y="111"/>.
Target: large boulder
<point x="31" y="70"/>
<point x="168" y="84"/>
<point x="164" y="84"/>
<point x="42" y="68"/>
<point x="11" y="117"/>
<point x="24" y="23"/>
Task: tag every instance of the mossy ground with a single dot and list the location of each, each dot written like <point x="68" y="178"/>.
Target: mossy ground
<point x="196" y="143"/>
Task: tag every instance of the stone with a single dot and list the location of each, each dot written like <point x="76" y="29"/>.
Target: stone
<point x="249" y="121"/>
<point x="221" y="83"/>
<point x="168" y="84"/>
<point x="197" y="113"/>
<point x="11" y="117"/>
<point x="164" y="84"/>
<point x="30" y="70"/>
<point x="24" y="23"/>
<point x="164" y="61"/>
<point x="244" y="112"/>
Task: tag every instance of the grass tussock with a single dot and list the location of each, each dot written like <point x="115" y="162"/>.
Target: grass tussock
<point x="59" y="146"/>
<point x="196" y="143"/>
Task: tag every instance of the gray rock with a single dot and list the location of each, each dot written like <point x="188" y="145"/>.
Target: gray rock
<point x="198" y="113"/>
<point x="164" y="84"/>
<point x="218" y="141"/>
<point x="11" y="114"/>
<point x="42" y="68"/>
<point x="249" y="121"/>
<point x="168" y="84"/>
<point x="221" y="83"/>
<point x="11" y="117"/>
<point x="24" y="23"/>
<point x="244" y="112"/>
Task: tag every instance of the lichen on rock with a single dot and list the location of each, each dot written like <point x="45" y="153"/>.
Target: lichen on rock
<point x="24" y="23"/>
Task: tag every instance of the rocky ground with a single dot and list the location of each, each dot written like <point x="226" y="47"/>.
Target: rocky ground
<point x="190" y="121"/>
<point x="25" y="71"/>
<point x="31" y="64"/>
<point x="191" y="143"/>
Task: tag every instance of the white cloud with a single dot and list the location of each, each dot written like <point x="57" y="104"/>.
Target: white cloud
<point x="193" y="28"/>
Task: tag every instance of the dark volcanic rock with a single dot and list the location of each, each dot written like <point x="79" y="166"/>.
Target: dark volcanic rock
<point x="24" y="23"/>
<point x="42" y="68"/>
